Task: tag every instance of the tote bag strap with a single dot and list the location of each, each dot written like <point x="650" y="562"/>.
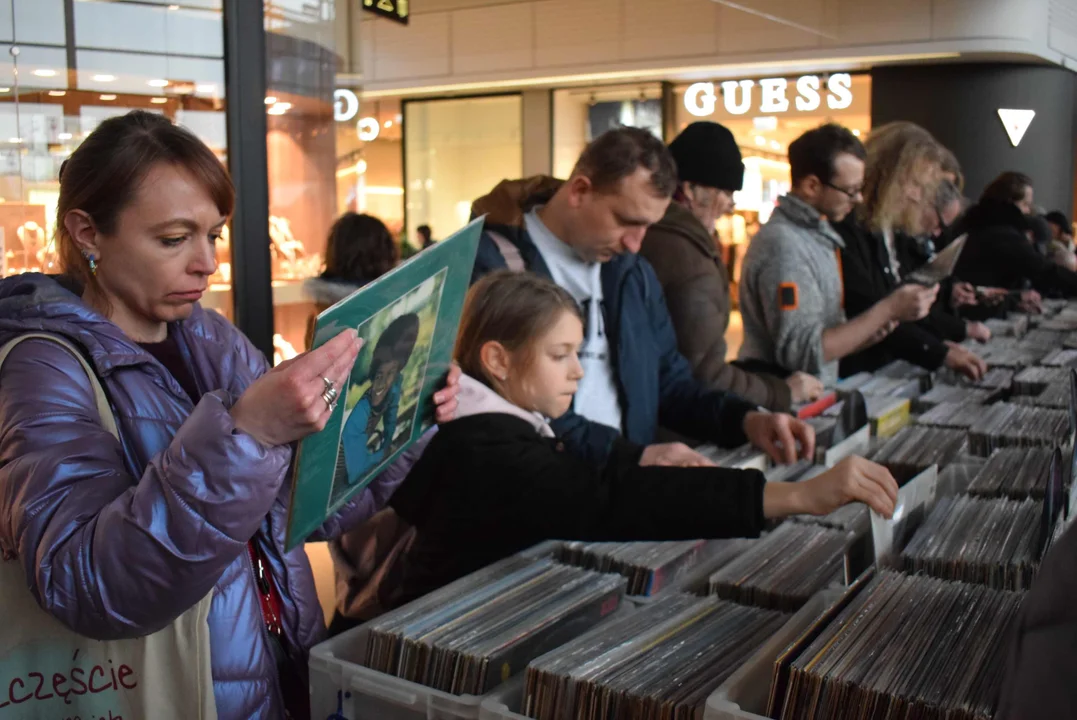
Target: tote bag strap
<point x="108" y="420"/>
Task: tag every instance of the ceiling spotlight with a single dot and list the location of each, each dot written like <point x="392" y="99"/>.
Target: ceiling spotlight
<point x="108" y="97"/>
<point x="775" y="144"/>
<point x="45" y="72"/>
<point x="283" y="106"/>
<point x="104" y="78"/>
<point x="57" y="93"/>
<point x="856" y="132"/>
<point x="158" y="100"/>
<point x="15" y="141"/>
<point x="271" y="100"/>
<point x="760" y="140"/>
<point x="277" y="110"/>
<point x="209" y="88"/>
<point x="158" y="83"/>
<point x="5" y="89"/>
<point x="64" y="136"/>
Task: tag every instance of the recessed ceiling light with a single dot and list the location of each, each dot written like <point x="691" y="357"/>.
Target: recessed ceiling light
<point x="14" y="141"/>
<point x="760" y="140"/>
<point x="173" y="7"/>
<point x="45" y="72"/>
<point x="108" y="97"/>
<point x="104" y="78"/>
<point x="206" y="88"/>
<point x="388" y="123"/>
<point x="856" y="132"/>
<point x="271" y="100"/>
<point x="284" y="106"/>
<point x="65" y="136"/>
<point x="5" y="89"/>
<point x="57" y="93"/>
<point x="775" y="144"/>
<point x="277" y="110"/>
<point x="158" y="100"/>
<point x="158" y="83"/>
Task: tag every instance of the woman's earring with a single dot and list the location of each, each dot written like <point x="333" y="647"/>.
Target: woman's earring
<point x="93" y="262"/>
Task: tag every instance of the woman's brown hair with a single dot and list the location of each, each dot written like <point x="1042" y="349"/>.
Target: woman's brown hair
<point x="514" y="309"/>
<point x="102" y="176"/>
<point x="901" y="155"/>
<point x="360" y="249"/>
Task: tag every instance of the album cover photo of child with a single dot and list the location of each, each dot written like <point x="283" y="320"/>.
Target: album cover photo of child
<point x="381" y="404"/>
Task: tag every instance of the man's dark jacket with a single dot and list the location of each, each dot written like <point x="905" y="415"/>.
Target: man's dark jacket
<point x="654" y="381"/>
<point x="998" y="253"/>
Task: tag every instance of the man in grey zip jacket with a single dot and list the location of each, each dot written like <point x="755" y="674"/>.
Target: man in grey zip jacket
<point x="791" y="292"/>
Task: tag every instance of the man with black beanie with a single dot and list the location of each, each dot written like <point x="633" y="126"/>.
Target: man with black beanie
<point x="683" y="251"/>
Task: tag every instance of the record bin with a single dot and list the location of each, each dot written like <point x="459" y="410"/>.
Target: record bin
<point x="744" y="695"/>
<point x="341" y="687"/>
<point x="749" y="685"/>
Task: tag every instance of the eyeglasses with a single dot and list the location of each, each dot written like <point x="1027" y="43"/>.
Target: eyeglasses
<point x="851" y="194"/>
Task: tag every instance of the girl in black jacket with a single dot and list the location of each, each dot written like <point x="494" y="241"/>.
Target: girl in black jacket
<point x="495" y="480"/>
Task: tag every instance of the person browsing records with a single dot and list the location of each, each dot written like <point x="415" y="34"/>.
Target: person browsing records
<point x="119" y="535"/>
<point x="792" y="295"/>
<point x="584" y="233"/>
<point x="496" y="480"/>
<point x="685" y="255"/>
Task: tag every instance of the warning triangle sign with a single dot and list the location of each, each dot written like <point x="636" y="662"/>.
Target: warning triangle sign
<point x="1016" y="123"/>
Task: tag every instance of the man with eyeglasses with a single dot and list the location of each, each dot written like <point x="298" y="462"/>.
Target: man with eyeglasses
<point x="791" y="292"/>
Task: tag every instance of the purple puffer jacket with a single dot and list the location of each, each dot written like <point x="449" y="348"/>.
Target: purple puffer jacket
<point x="119" y="539"/>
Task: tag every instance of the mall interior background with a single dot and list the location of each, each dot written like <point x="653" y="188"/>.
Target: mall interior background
<point x="411" y="121"/>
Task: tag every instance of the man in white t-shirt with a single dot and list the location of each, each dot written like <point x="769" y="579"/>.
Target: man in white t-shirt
<point x="585" y="234"/>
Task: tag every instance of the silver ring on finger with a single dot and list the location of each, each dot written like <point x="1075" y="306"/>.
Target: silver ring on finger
<point x="330" y="398"/>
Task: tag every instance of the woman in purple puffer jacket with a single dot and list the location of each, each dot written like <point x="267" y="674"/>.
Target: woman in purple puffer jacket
<point x="119" y="538"/>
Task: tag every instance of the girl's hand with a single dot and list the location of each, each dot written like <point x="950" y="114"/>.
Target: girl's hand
<point x="852" y="480"/>
<point x="445" y="398"/>
<point x="286" y="403"/>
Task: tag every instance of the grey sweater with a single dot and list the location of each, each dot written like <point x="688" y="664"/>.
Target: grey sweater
<point x="791" y="290"/>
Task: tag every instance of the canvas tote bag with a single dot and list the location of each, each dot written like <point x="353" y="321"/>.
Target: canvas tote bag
<point x="48" y="672"/>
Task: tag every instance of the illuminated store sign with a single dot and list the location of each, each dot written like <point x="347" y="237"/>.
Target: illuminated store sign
<point x="773" y="97"/>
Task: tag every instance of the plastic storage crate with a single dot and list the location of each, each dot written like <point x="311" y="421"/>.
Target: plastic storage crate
<point x="743" y="696"/>
<point x="340" y="687"/>
<point x="746" y="688"/>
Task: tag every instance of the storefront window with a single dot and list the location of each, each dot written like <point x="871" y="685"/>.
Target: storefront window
<point x="370" y="160"/>
<point x="301" y="155"/>
<point x="457" y="150"/>
<point x="582" y="114"/>
<point x="163" y="58"/>
<point x="765" y="115"/>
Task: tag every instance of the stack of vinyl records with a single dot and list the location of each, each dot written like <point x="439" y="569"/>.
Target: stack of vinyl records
<point x="490" y="625"/>
<point x="1043" y="339"/>
<point x="1014" y="326"/>
<point x="1008" y="425"/>
<point x="896" y="387"/>
<point x="1016" y="473"/>
<point x="784" y="568"/>
<point x="1034" y="380"/>
<point x="663" y="661"/>
<point x="1056" y="395"/>
<point x="1070" y="341"/>
<point x="854" y="517"/>
<point x="648" y="566"/>
<point x="998" y="379"/>
<point x="1015" y="358"/>
<point x="1064" y="322"/>
<point x="796" y="472"/>
<point x="1061" y="359"/>
<point x="916" y="448"/>
<point x="978" y="540"/>
<point x="956" y="416"/>
<point x="899" y="647"/>
<point x="824" y="428"/>
<point x="951" y="394"/>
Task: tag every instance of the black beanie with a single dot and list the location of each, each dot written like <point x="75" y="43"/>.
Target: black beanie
<point x="707" y="154"/>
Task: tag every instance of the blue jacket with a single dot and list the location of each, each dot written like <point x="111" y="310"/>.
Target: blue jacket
<point x="654" y="381"/>
<point x="357" y="456"/>
<point x="119" y="538"/>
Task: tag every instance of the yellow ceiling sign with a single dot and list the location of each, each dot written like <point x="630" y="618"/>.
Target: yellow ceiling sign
<point x="393" y="9"/>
